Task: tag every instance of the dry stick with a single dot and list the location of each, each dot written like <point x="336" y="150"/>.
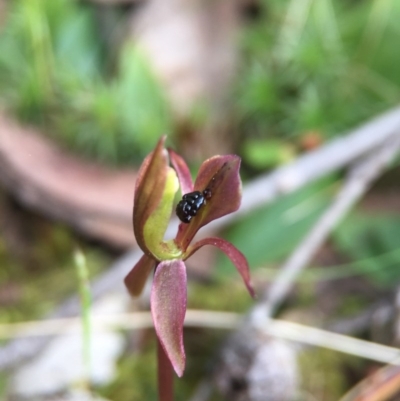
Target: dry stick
<point x="360" y="177"/>
<point x="319" y="163"/>
<point x="310" y="167"/>
<point x="265" y="189"/>
<point x="210" y="319"/>
<point x="359" y="180"/>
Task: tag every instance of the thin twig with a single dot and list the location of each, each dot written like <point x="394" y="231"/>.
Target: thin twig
<point x="338" y="342"/>
<point x="210" y="319"/>
<point x="319" y="163"/>
<point x="359" y="180"/>
<point x="127" y="321"/>
<point x="382" y="385"/>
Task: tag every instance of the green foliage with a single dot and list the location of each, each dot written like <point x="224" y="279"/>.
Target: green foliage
<point x="211" y="296"/>
<point x="47" y="50"/>
<point x="321" y="66"/>
<point x="322" y="374"/>
<point x="47" y="262"/>
<point x="267" y="153"/>
<point x="307" y="65"/>
<point x="52" y="72"/>
<point x="85" y="301"/>
<point x="362" y="237"/>
<point x="3" y="386"/>
<point x="136" y="379"/>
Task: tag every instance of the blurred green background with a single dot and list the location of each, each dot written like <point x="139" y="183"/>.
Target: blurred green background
<point x="306" y="71"/>
<point x="301" y="65"/>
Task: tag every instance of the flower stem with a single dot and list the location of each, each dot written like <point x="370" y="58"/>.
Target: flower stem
<point x="165" y="375"/>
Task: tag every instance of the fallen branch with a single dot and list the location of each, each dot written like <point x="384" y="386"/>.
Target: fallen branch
<point x="360" y="178"/>
<point x="321" y="162"/>
<point x="245" y="346"/>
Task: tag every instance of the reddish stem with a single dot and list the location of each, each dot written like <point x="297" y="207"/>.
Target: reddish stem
<point x="165" y="375"/>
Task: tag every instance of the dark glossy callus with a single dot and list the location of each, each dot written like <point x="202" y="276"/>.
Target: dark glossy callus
<point x="190" y="205"/>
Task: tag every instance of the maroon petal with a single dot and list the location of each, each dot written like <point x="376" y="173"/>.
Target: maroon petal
<point x="136" y="278"/>
<point x="168" y="307"/>
<point x="183" y="172"/>
<point x="149" y="189"/>
<point x="220" y="175"/>
<point x="237" y="257"/>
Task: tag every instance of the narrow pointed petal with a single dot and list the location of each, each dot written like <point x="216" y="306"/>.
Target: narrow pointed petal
<point x="237" y="257"/>
<point x="149" y="188"/>
<point x="220" y="175"/>
<point x="182" y="169"/>
<point x="168" y="307"/>
<point x="136" y="278"/>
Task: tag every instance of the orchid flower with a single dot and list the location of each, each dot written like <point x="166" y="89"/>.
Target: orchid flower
<point x="155" y="190"/>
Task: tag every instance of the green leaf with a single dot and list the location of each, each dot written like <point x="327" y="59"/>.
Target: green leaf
<point x="363" y="237"/>
<point x="267" y="153"/>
